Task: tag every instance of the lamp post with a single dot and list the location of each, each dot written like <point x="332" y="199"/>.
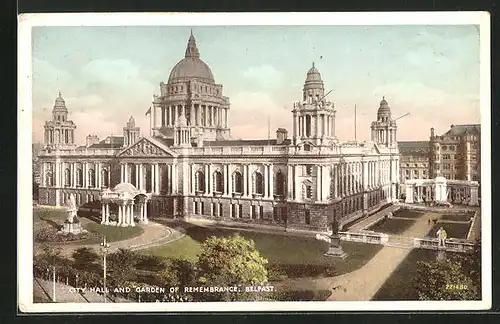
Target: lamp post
<point x="104" y="247"/>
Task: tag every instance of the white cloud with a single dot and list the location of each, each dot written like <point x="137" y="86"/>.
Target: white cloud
<point x="266" y="76"/>
<point x="111" y="71"/>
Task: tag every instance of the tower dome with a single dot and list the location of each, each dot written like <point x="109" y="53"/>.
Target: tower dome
<point x="59" y="104"/>
<point x="384" y="111"/>
<point x="313" y="75"/>
<point x="191" y="66"/>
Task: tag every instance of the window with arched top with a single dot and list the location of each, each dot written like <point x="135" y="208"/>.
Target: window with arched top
<point x="104" y="178"/>
<point x="218" y="182"/>
<point x="307" y="191"/>
<point x="307" y="147"/>
<point x="91" y="178"/>
<point x="67" y="178"/>
<point x="79" y="177"/>
<point x="237" y="182"/>
<point x="258" y="183"/>
<point x="48" y="179"/>
<point x="280" y="183"/>
<point x="200" y="181"/>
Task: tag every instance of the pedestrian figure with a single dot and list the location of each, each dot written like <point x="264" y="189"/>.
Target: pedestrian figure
<point x="441" y="234"/>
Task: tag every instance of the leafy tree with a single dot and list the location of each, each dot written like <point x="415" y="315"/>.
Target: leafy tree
<point x="87" y="259"/>
<point x="471" y="264"/>
<point x="121" y="266"/>
<point x="230" y="261"/>
<point x="443" y="280"/>
<point x="177" y="272"/>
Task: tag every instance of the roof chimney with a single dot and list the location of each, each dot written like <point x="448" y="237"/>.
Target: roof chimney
<point x="281" y="135"/>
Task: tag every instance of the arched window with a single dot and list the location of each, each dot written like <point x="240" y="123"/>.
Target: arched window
<point x="218" y="182"/>
<point x="104" y="178"/>
<point x="280" y="183"/>
<point x="67" y="178"/>
<point x="91" y="178"/>
<point x="307" y="147"/>
<point x="307" y="192"/>
<point x="79" y="177"/>
<point x="237" y="182"/>
<point x="200" y="181"/>
<point x="258" y="183"/>
<point x="48" y="179"/>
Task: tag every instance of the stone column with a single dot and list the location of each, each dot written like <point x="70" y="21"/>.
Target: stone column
<point x="193" y="179"/>
<point x="266" y="181"/>
<point x="271" y="181"/>
<point x="289" y="182"/>
<point x="122" y="176"/>
<point x="245" y="180"/>
<point x="145" y="219"/>
<point x="132" y="222"/>
<point x="335" y="180"/>
<point x="127" y="178"/>
<point x="319" y="193"/>
<point x="297" y="195"/>
<point x="84" y="174"/>
<point x="136" y="176"/>
<point x="325" y="182"/>
<point x="174" y="178"/>
<point x="210" y="180"/>
<point x="120" y="214"/>
<point x="226" y="190"/>
<point x="207" y="179"/>
<point x="107" y="214"/>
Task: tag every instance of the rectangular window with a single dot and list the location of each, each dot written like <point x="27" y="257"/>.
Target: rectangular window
<point x="283" y="214"/>
<point x="221" y="211"/>
<point x="275" y="213"/>
<point x="254" y="212"/>
<point x="214" y="209"/>
<point x="233" y="210"/>
<point x="308" y="170"/>
<point x="307" y="213"/>
<point x="241" y="211"/>
<point x="202" y="208"/>
<point x="261" y="211"/>
<point x="195" y="208"/>
<point x="309" y="192"/>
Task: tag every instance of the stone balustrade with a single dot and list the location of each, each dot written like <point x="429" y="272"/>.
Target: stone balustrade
<point x="365" y="237"/>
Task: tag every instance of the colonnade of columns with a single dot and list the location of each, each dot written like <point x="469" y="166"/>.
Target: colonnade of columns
<point x="196" y="115"/>
<point x="387" y="135"/>
<point x="162" y="176"/>
<point x="249" y="179"/>
<point x="67" y="174"/>
<point x="125" y="213"/>
<point x="319" y="125"/>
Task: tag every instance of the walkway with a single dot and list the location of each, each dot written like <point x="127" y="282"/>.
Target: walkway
<point x="153" y="235"/>
<point x="363" y="284"/>
<point x="366" y="222"/>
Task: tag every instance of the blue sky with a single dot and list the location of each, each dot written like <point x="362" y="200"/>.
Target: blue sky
<point x="106" y="74"/>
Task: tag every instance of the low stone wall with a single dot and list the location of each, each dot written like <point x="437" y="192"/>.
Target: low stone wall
<point x="365" y="237"/>
<point x="450" y="245"/>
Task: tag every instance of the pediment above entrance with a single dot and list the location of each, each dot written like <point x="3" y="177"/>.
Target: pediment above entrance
<point x="147" y="147"/>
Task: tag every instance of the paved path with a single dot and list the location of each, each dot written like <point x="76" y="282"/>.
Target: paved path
<point x="153" y="235"/>
<point x="363" y="284"/>
<point x="357" y="227"/>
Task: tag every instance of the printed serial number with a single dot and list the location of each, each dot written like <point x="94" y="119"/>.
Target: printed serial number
<point x="456" y="287"/>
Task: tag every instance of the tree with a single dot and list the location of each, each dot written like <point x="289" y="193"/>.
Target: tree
<point x="443" y="280"/>
<point x="86" y="259"/>
<point x="230" y="261"/>
<point x="471" y="264"/>
<point x="121" y="266"/>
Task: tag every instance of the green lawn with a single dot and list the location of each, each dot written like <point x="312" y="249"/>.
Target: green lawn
<point x="457" y="217"/>
<point x="292" y="256"/>
<point x="113" y="233"/>
<point x="454" y="230"/>
<point x="399" y="286"/>
<point x="391" y="226"/>
<point x="408" y="213"/>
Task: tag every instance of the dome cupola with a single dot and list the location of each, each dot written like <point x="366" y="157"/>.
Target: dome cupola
<point x="191" y="66"/>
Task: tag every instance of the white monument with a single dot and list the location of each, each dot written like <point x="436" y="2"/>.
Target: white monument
<point x="72" y="223"/>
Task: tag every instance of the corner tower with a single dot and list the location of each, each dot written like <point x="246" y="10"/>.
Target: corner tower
<point x="191" y="92"/>
<point x="313" y="117"/>
<point x="384" y="129"/>
<point x="59" y="132"/>
<point x="131" y="133"/>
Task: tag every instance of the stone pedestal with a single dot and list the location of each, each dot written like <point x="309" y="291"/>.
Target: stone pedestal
<point x="335" y="250"/>
<point x="441" y="254"/>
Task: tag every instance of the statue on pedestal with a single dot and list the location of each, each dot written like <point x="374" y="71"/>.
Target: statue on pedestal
<point x="334" y="248"/>
<point x="72" y="223"/>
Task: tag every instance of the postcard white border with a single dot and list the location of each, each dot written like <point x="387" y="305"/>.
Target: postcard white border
<point x="25" y="219"/>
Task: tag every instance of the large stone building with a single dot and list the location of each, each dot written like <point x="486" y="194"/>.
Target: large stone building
<point x="456" y="155"/>
<point x="414" y="160"/>
<point x="189" y="166"/>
